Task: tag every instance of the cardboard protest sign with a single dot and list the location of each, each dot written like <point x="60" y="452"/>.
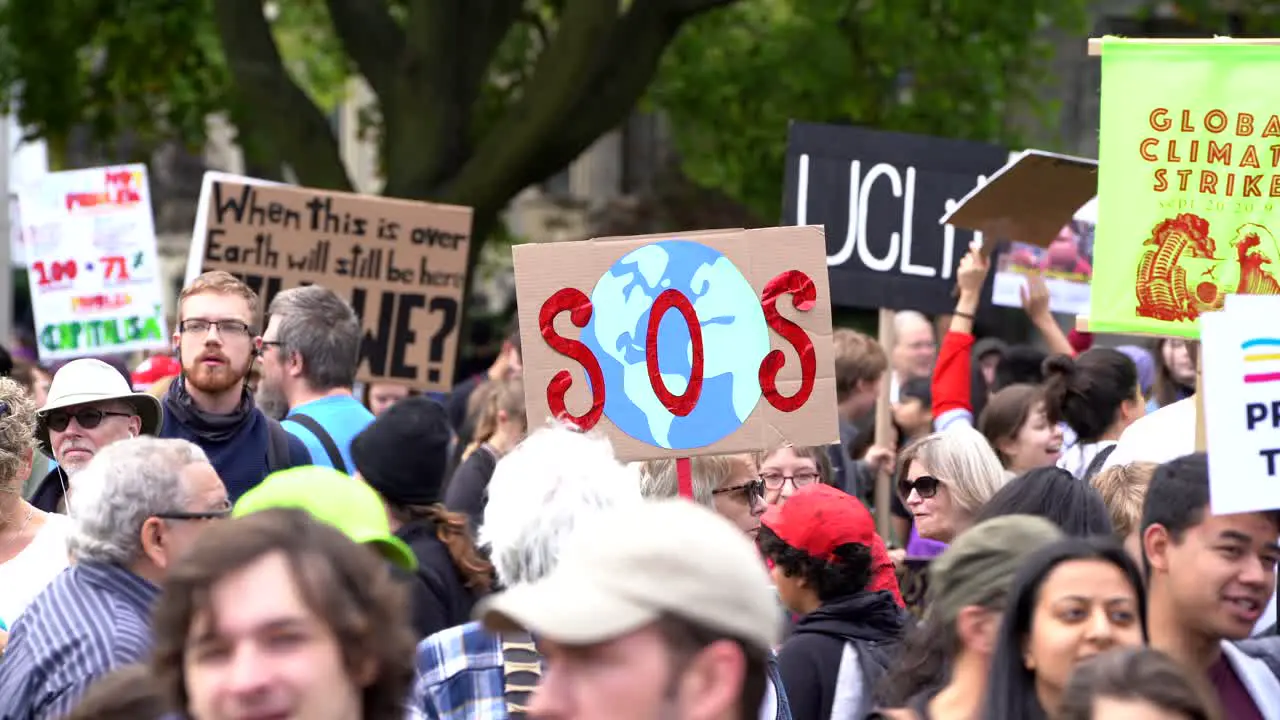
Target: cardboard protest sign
<point x="401" y="264"/>
<point x="1036" y="214"/>
<point x="195" y="258"/>
<point x="91" y="262"/>
<point x="880" y="195"/>
<point x="1240" y="376"/>
<point x="1188" y="192"/>
<point x="684" y="344"/>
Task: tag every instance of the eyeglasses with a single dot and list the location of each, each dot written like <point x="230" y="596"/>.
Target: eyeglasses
<point x="926" y="486"/>
<point x="753" y="489"/>
<point x="222" y="512"/>
<point x="775" y="481"/>
<point x="231" y="328"/>
<point x="89" y="418"/>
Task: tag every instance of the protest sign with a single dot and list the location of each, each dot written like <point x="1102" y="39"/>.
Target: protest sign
<point x="879" y="195"/>
<point x="195" y="256"/>
<point x="91" y="262"/>
<point x="401" y="264"/>
<point x="1241" y="397"/>
<point x="1188" y="191"/>
<point x="683" y="344"/>
<point x="1038" y="210"/>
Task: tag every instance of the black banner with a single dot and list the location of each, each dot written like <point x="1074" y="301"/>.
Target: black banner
<point x="880" y="196"/>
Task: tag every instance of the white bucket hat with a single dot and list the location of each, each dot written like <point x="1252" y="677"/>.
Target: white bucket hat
<point x="88" y="380"/>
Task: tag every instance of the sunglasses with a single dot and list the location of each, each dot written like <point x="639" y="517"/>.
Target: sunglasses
<point x="926" y="486"/>
<point x="89" y="418"/>
<point x="753" y="489"/>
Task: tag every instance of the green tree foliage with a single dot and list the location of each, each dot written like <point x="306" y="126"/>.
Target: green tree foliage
<point x="734" y="79"/>
<point x="477" y="99"/>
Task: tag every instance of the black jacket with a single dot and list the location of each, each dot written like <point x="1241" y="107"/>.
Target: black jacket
<point x="438" y="594"/>
<point x="50" y="491"/>
<point x="810" y="659"/>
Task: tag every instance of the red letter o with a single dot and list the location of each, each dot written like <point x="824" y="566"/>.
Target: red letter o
<point x="678" y="405"/>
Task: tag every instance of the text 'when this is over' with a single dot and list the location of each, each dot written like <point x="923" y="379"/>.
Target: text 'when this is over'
<point x="334" y="246"/>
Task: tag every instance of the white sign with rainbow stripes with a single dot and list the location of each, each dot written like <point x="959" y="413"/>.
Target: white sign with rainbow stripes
<point x="1241" y="352"/>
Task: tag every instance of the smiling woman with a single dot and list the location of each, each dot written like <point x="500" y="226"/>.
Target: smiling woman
<point x="1015" y="423"/>
<point x="945" y="478"/>
<point x="1070" y="601"/>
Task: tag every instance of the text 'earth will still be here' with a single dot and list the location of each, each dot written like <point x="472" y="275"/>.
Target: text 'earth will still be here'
<point x="401" y="264"/>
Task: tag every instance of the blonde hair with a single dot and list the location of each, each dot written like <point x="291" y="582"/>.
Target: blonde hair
<point x="506" y="395"/>
<point x="219" y="282"/>
<point x="658" y="478"/>
<point x="1123" y="489"/>
<point x="17" y="432"/>
<point x="963" y="459"/>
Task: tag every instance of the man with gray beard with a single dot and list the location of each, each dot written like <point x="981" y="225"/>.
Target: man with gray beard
<point x="90" y="406"/>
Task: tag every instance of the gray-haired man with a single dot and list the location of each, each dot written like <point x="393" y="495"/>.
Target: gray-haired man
<point x="310" y="351"/>
<point x="137" y="507"/>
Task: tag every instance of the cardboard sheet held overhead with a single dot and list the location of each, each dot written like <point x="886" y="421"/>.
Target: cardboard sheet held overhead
<point x="684" y="344"/>
<point x="1028" y="200"/>
<point x="401" y="264"/>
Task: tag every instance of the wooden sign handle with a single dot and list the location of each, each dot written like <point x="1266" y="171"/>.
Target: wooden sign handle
<point x="885" y="434"/>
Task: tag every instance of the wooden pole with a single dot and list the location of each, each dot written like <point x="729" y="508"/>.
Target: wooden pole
<point x="885" y="434"/>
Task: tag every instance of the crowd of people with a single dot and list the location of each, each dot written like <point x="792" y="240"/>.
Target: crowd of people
<point x="238" y="531"/>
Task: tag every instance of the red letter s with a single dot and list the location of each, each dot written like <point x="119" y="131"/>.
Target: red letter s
<point x="804" y="293"/>
<point x="579" y="307"/>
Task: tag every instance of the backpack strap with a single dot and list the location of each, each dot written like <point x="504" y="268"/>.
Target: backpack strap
<point x="277" y="447"/>
<point x="521" y="671"/>
<point x="326" y="440"/>
<point x="1095" y="465"/>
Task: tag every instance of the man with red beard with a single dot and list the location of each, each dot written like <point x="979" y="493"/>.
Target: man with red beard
<point x="210" y="403"/>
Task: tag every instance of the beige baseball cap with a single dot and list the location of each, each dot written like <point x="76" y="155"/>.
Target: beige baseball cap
<point x="628" y="566"/>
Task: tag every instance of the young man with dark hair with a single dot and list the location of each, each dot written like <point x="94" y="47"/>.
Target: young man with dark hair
<point x="276" y="614"/>
<point x="860" y="365"/>
<point x="1209" y="579"/>
<point x="831" y="568"/>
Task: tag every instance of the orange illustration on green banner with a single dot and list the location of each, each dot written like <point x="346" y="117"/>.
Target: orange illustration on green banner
<point x="1188" y="183"/>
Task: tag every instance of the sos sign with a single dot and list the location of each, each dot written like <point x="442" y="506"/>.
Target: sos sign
<point x="677" y="344"/>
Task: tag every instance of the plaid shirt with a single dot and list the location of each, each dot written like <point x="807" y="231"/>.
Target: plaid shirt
<point x="459" y="677"/>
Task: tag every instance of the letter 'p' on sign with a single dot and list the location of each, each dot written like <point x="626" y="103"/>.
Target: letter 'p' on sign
<point x="683" y="344"/>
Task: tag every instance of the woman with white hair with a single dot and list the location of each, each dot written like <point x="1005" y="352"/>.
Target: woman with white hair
<point x="945" y="478"/>
<point x="540" y="492"/>
<point x="33" y="543"/>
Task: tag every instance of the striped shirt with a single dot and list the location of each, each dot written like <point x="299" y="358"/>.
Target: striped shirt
<point x="90" y="620"/>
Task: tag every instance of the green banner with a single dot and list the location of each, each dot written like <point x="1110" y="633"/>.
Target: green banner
<point x="1188" y="185"/>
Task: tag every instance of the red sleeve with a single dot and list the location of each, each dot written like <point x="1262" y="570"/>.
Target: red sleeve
<point x="1079" y="341"/>
<point x="951" y="375"/>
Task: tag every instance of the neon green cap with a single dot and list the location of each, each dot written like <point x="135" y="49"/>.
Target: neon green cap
<point x="333" y="498"/>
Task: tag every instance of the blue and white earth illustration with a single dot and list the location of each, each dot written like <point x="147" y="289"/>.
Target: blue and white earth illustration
<point x="735" y="339"/>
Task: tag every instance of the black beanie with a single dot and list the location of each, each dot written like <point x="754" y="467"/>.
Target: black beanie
<point x="403" y="453"/>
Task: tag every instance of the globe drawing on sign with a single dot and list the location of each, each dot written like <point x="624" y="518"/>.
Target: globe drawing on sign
<point x="735" y="339"/>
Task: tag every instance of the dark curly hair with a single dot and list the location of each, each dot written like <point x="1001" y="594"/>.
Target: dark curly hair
<point x="846" y="575"/>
